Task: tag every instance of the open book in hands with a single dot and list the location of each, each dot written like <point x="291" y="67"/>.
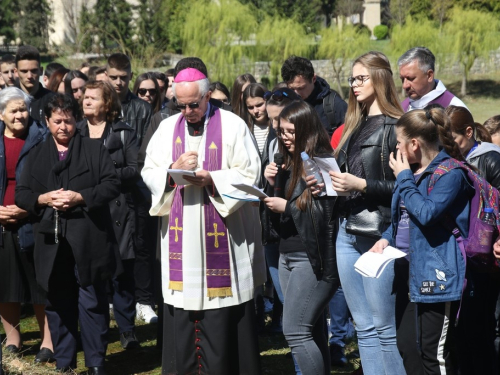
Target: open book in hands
<point x="373" y="264"/>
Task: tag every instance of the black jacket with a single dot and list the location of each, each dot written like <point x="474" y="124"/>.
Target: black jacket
<point x="375" y="157"/>
<point x="121" y="143"/>
<point x="317" y="227"/>
<point x="40" y="100"/>
<point x="137" y="113"/>
<point x="317" y="99"/>
<point x="87" y="169"/>
<point x="268" y="219"/>
<point x="488" y="165"/>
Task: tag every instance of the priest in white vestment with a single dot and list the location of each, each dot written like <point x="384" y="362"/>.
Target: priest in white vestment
<point x="212" y="257"/>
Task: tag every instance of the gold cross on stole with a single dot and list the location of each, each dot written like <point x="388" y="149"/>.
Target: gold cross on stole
<point x="216" y="235"/>
<point x="176" y="228"/>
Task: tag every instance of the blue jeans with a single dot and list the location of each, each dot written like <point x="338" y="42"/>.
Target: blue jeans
<point x="339" y="318"/>
<point x="304" y="321"/>
<point x="373" y="306"/>
<point x="272" y="258"/>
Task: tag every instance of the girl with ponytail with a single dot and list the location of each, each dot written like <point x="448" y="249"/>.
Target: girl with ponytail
<point x="434" y="268"/>
<point x="477" y="314"/>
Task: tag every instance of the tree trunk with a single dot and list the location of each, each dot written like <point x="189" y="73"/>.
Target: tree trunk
<point x="339" y="86"/>
<point x="463" y="90"/>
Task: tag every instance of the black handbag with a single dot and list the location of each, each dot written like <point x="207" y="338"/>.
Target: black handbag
<point x="365" y="222"/>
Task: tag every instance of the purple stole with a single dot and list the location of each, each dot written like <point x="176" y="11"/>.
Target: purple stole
<point x="444" y="100"/>
<point x="217" y="262"/>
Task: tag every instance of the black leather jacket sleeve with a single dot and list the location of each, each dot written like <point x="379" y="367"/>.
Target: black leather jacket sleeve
<point x="488" y="165"/>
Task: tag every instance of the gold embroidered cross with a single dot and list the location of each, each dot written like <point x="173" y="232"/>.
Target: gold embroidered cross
<point x="176" y="228"/>
<point x="216" y="235"/>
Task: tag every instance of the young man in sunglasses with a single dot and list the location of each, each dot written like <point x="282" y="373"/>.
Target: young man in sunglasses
<point x="298" y="73"/>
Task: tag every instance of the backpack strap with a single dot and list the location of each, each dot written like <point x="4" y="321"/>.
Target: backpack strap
<point x="329" y="107"/>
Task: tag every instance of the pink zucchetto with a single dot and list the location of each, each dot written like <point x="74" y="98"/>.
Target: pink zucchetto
<point x="189" y="75"/>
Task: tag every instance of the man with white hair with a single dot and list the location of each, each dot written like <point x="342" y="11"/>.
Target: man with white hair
<point x="416" y="70"/>
<point x="212" y="257"/>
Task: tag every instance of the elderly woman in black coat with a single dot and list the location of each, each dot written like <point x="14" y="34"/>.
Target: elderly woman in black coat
<point x="18" y="135"/>
<point x="102" y="108"/>
<point x="66" y="186"/>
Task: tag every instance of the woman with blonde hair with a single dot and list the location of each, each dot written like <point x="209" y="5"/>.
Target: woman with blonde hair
<point x="363" y="156"/>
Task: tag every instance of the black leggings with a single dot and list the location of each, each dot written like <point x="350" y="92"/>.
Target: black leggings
<point x="426" y="333"/>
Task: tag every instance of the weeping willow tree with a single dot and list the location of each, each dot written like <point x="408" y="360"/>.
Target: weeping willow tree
<point x="221" y="33"/>
<point x="341" y="45"/>
<point x="279" y="38"/>
<point x="416" y="33"/>
<point x="473" y="34"/>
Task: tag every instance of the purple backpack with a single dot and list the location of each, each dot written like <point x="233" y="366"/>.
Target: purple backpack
<point x="485" y="196"/>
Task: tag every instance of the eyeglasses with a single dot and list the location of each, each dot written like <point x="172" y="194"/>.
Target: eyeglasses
<point x="276" y="95"/>
<point x="142" y="92"/>
<point x="282" y="133"/>
<point x="359" y="80"/>
<point x="190" y="105"/>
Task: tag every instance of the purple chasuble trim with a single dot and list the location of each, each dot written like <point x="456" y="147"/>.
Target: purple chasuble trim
<point x="444" y="100"/>
<point x="218" y="267"/>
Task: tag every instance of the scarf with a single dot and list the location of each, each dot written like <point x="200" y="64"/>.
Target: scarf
<point x="218" y="269"/>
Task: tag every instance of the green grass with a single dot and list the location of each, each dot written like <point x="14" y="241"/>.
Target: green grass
<point x="275" y="358"/>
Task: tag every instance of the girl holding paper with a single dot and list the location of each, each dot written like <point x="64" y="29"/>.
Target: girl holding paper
<point x="363" y="157"/>
<point x="308" y="228"/>
<point x="427" y="328"/>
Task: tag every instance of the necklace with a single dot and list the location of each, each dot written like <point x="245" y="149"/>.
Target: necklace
<point x="97" y="130"/>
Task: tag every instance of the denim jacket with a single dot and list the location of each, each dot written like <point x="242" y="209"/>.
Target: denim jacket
<point x="437" y="268"/>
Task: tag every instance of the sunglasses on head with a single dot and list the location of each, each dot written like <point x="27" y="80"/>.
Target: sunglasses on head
<point x="143" y="92"/>
<point x="276" y="95"/>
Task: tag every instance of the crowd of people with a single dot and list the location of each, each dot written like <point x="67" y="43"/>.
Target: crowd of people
<point x="119" y="202"/>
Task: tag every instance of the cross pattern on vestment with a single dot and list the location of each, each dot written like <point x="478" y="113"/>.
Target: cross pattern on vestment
<point x="176" y="228"/>
<point x="216" y="235"/>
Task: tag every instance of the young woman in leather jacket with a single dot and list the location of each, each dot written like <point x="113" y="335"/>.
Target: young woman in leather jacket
<point x="363" y="157"/>
<point x="308" y="228"/>
<point x="477" y="313"/>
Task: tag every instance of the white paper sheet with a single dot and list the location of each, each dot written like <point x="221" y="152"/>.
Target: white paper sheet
<point x="177" y="175"/>
<point x="373" y="264"/>
<point x="326" y="165"/>
<point x="250" y="189"/>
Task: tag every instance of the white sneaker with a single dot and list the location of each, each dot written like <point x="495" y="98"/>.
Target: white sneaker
<point x="146" y="313"/>
<point x="111" y="312"/>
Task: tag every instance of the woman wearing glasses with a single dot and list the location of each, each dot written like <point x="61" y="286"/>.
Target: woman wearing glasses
<point x="146" y="88"/>
<point x="363" y="156"/>
<point x="308" y="227"/>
